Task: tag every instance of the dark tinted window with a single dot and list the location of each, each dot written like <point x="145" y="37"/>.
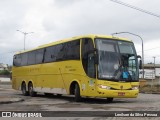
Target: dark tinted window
<point x="49" y="54"/>
<point x="24" y="57"/>
<point x="72" y="50"/>
<point x="17" y="60"/>
<point x="59" y="52"/>
<point x="31" y="58"/>
<point x="64" y="51"/>
<point x="39" y="56"/>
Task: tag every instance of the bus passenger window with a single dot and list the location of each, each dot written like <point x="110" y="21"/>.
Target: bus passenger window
<point x="32" y="58"/>
<point x="17" y="60"/>
<point x="24" y="58"/>
<point x="39" y="56"/>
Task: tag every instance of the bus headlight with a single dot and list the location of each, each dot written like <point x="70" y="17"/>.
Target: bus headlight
<point x="104" y="87"/>
<point x="135" y="87"/>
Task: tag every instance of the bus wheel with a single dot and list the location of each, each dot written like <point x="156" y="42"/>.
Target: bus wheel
<point x="109" y="100"/>
<point x="77" y="93"/>
<point x="30" y="89"/>
<point x="23" y="88"/>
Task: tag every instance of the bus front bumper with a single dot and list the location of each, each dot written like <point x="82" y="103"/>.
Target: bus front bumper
<point x="117" y="93"/>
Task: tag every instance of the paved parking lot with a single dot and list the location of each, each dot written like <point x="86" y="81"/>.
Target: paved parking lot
<point x="144" y="102"/>
<point x="4" y="79"/>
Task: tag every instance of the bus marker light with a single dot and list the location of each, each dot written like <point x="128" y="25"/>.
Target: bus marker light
<point x="135" y="87"/>
<point x="104" y="87"/>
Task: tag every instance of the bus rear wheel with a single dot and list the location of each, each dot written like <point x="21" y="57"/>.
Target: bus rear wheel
<point x="23" y="88"/>
<point x="77" y="93"/>
<point x="30" y="89"/>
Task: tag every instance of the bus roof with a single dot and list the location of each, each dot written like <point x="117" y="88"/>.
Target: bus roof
<point x="75" y="38"/>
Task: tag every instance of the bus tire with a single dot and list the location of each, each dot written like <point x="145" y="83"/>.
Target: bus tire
<point x="23" y="88"/>
<point x="77" y="93"/>
<point x="30" y="89"/>
<point x="109" y="100"/>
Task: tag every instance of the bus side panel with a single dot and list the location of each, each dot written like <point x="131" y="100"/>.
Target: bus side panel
<point x="49" y="79"/>
<point x="73" y="71"/>
<point x="18" y="76"/>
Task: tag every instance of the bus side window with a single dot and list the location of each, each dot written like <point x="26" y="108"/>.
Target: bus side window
<point x="88" y="57"/>
<point x="24" y="58"/>
<point x="39" y="56"/>
<point x="48" y="56"/>
<point x="17" y="60"/>
<point x="32" y="58"/>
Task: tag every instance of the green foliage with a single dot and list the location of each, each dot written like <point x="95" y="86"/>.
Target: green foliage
<point x="4" y="72"/>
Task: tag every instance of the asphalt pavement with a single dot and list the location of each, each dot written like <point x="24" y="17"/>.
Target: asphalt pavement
<point x="5" y="86"/>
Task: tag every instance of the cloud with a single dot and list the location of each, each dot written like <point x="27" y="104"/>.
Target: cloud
<point x="51" y="20"/>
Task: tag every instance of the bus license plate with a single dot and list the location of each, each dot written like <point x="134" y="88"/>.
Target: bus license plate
<point x="121" y="94"/>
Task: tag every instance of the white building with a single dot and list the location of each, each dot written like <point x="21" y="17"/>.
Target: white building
<point x="151" y="71"/>
<point x="148" y="74"/>
<point x="3" y="66"/>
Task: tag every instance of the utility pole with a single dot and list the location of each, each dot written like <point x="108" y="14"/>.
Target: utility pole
<point x="154" y="66"/>
<point x="25" y="33"/>
<point x="153" y="73"/>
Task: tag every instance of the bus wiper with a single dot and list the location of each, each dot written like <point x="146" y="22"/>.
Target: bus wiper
<point x="130" y="76"/>
<point x="118" y="73"/>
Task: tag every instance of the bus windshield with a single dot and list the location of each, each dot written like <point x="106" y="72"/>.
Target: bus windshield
<point x="117" y="60"/>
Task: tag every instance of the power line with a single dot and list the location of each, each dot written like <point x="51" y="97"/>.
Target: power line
<point x="136" y="8"/>
<point x="150" y="49"/>
<point x="150" y="56"/>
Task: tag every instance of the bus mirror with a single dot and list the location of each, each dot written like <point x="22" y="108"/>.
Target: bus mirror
<point x="140" y="64"/>
<point x="138" y="56"/>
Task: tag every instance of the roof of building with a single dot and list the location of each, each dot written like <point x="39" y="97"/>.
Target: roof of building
<point x="151" y="65"/>
<point x="3" y="65"/>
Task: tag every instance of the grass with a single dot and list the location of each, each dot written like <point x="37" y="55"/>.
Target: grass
<point x="150" y="89"/>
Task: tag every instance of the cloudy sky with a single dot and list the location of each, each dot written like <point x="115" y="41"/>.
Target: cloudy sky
<point x="52" y="20"/>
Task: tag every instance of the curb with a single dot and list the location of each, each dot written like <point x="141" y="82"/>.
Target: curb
<point x="150" y="92"/>
<point x="10" y="82"/>
<point x="13" y="100"/>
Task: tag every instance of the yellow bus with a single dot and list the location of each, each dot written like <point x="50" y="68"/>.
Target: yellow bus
<point x="84" y="66"/>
